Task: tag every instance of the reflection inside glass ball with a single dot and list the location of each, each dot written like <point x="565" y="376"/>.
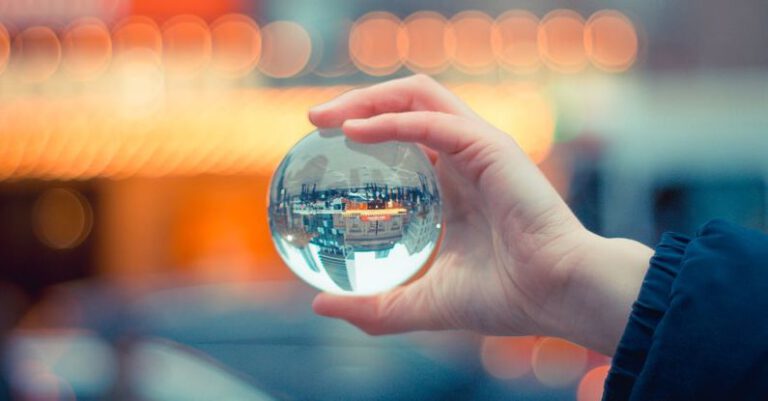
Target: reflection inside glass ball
<point x="352" y="218"/>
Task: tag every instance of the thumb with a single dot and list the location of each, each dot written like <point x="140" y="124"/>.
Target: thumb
<point x="403" y="309"/>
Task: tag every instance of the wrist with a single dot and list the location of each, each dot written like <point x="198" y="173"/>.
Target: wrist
<point x="600" y="280"/>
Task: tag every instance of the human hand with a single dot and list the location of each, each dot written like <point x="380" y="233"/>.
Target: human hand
<point x="509" y="261"/>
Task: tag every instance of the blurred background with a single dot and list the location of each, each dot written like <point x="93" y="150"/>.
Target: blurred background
<point x="137" y="140"/>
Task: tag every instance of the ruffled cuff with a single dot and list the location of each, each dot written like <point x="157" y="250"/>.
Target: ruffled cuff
<point x="647" y="311"/>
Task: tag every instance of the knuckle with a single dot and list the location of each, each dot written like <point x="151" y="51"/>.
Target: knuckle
<point x="424" y="79"/>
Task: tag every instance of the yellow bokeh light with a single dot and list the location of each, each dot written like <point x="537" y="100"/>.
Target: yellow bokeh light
<point x="521" y="110"/>
<point x="139" y="128"/>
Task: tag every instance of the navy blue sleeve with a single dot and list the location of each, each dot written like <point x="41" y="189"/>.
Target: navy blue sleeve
<point x="699" y="328"/>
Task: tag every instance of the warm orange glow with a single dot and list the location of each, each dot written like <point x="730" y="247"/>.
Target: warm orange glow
<point x="471" y="38"/>
<point x="286" y="48"/>
<point x="557" y="363"/>
<point x="427" y="33"/>
<point x="5" y="48"/>
<point x="591" y="385"/>
<point x="521" y="110"/>
<point x="207" y="9"/>
<point x="140" y="129"/>
<point x="39" y="53"/>
<point x="561" y="41"/>
<point x="378" y="44"/>
<point x="514" y="41"/>
<point x="62" y="218"/>
<point x="236" y="45"/>
<point x="610" y="41"/>
<point x="140" y="85"/>
<point x="186" y="46"/>
<point x="507" y="357"/>
<point x="137" y="32"/>
<point x="87" y="48"/>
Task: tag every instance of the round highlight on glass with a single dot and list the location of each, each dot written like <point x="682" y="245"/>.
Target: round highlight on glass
<point x="352" y="218"/>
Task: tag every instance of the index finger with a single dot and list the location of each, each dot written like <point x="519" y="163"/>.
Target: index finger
<point x="414" y="93"/>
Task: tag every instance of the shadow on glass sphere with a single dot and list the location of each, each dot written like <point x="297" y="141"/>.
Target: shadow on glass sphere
<point x="352" y="218"/>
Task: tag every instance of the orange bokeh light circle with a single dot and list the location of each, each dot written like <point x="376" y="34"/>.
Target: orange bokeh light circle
<point x="38" y="52"/>
<point x="428" y="49"/>
<point x="137" y="32"/>
<point x="378" y="43"/>
<point x="5" y="48"/>
<point x="515" y="41"/>
<point x="507" y="357"/>
<point x="610" y="41"/>
<point x="87" y="48"/>
<point x="286" y="49"/>
<point x="470" y="39"/>
<point x="558" y="363"/>
<point x="236" y="41"/>
<point x="591" y="385"/>
<point x="186" y="46"/>
<point x="561" y="41"/>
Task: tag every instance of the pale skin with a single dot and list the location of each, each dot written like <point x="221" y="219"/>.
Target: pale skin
<point x="514" y="259"/>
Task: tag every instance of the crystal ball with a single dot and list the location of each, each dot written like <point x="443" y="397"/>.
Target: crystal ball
<point x="353" y="218"/>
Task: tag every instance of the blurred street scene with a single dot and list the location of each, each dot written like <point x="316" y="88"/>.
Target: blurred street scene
<point x="138" y="138"/>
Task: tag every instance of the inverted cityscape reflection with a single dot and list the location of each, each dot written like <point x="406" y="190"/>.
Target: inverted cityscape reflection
<point x="353" y="218"/>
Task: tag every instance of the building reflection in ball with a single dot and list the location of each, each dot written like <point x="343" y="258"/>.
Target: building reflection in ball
<point x="354" y="218"/>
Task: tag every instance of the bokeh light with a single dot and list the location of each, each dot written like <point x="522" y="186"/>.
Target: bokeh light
<point x="286" y="48"/>
<point x="38" y="52"/>
<point x="87" y="48"/>
<point x="470" y="37"/>
<point x="236" y="40"/>
<point x="186" y="46"/>
<point x="610" y="41"/>
<point x="378" y="43"/>
<point x="561" y="41"/>
<point x="62" y="218"/>
<point x="521" y="110"/>
<point x="65" y="364"/>
<point x="333" y="52"/>
<point x="137" y="32"/>
<point x="428" y="51"/>
<point x="591" y="385"/>
<point x="515" y="41"/>
<point x="558" y="363"/>
<point x="140" y="84"/>
<point x="508" y="357"/>
<point x="5" y="48"/>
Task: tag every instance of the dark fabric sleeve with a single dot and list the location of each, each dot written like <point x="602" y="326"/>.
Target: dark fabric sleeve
<point x="699" y="328"/>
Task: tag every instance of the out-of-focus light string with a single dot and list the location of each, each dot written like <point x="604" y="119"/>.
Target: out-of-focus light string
<point x="240" y="131"/>
<point x="380" y="44"/>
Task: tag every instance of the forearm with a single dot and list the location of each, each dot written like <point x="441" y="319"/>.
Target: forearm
<point x="602" y="282"/>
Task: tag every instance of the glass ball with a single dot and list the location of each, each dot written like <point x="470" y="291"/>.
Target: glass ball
<point x="353" y="218"/>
